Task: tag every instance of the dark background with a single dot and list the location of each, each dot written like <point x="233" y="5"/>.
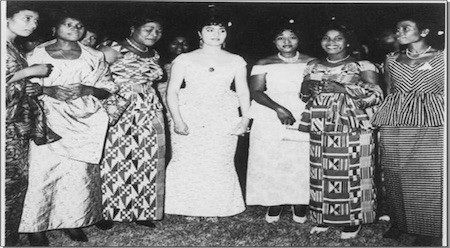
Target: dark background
<point x="249" y="35"/>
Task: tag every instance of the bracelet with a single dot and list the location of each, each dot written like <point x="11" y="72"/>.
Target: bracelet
<point x="302" y="96"/>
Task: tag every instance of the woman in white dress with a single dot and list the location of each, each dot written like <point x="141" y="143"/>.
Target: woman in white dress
<point x="278" y="164"/>
<point x="201" y="179"/>
<point x="64" y="176"/>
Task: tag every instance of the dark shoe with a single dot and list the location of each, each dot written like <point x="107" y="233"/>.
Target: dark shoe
<point x="146" y="223"/>
<point x="427" y="241"/>
<point x="104" y="224"/>
<point x="392" y="233"/>
<point x="38" y="239"/>
<point x="76" y="234"/>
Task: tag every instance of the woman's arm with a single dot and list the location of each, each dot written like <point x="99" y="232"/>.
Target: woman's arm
<point x="111" y="55"/>
<point x="257" y="90"/>
<point x="173" y="89"/>
<point x="38" y="70"/>
<point x="243" y="94"/>
<point x="387" y="77"/>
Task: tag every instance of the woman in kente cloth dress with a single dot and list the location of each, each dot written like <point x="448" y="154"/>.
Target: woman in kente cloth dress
<point x="411" y="121"/>
<point x="133" y="167"/>
<point x="25" y="118"/>
<point x="64" y="181"/>
<point x="341" y="93"/>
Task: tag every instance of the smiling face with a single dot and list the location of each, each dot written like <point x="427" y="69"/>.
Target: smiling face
<point x="408" y="32"/>
<point x="147" y="34"/>
<point x="213" y="35"/>
<point x="334" y="42"/>
<point x="179" y="45"/>
<point x="286" y="41"/>
<point x="23" y="23"/>
<point x="70" y="29"/>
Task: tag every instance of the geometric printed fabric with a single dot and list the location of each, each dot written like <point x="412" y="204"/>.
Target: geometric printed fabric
<point x="342" y="188"/>
<point x="133" y="167"/>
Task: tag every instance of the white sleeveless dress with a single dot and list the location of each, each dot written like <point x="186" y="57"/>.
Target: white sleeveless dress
<point x="201" y="179"/>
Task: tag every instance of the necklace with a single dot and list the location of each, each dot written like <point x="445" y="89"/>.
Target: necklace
<point x="337" y="61"/>
<point x="289" y="60"/>
<point x="136" y="47"/>
<point x="410" y="54"/>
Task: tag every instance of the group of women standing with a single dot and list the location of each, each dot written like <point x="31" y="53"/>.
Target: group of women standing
<point x="312" y="141"/>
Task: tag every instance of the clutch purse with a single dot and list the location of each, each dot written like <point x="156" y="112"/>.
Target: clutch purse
<point x="115" y="105"/>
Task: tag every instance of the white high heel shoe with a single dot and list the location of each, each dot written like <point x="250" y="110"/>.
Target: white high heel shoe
<point x="272" y="219"/>
<point x="298" y="219"/>
<point x="350" y="235"/>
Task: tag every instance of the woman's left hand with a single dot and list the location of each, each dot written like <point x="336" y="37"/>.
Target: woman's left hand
<point x="33" y="89"/>
<point x="241" y="128"/>
<point x="332" y="87"/>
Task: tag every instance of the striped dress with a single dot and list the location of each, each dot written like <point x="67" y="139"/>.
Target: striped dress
<point x="342" y="143"/>
<point x="411" y="141"/>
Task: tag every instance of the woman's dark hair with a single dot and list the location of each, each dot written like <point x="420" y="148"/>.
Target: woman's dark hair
<point x="14" y="7"/>
<point x="212" y="20"/>
<point x="275" y="32"/>
<point x="59" y="16"/>
<point x="147" y="17"/>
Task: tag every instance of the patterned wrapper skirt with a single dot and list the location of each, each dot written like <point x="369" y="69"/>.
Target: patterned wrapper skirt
<point x="16" y="182"/>
<point x="133" y="167"/>
<point x="341" y="178"/>
<point x="412" y="160"/>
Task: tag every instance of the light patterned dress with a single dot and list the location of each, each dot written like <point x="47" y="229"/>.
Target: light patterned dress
<point x="201" y="177"/>
<point x="342" y="145"/>
<point x="64" y="182"/>
<point x="278" y="163"/>
<point x="133" y="165"/>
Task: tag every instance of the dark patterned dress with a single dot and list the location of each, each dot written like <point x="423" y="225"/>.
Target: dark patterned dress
<point x="24" y="121"/>
<point x="133" y="167"/>
<point x="342" y="145"/>
<point x="412" y="144"/>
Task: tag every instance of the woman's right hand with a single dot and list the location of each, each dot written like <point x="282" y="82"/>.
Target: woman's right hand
<point x="285" y="116"/>
<point x="39" y="70"/>
<point x="181" y="128"/>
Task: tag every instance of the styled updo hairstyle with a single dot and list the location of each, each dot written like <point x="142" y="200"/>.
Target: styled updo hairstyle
<point x="212" y="20"/>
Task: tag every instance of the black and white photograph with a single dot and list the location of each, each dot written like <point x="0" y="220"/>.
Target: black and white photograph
<point x="224" y="123"/>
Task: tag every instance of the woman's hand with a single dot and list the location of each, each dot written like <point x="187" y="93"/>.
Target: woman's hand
<point x="241" y="128"/>
<point x="331" y="87"/>
<point x="181" y="128"/>
<point x="285" y="116"/>
<point x="39" y="70"/>
<point x="81" y="90"/>
<point x="58" y="92"/>
<point x="33" y="89"/>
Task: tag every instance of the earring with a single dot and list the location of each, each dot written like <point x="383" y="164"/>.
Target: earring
<point x="423" y="35"/>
